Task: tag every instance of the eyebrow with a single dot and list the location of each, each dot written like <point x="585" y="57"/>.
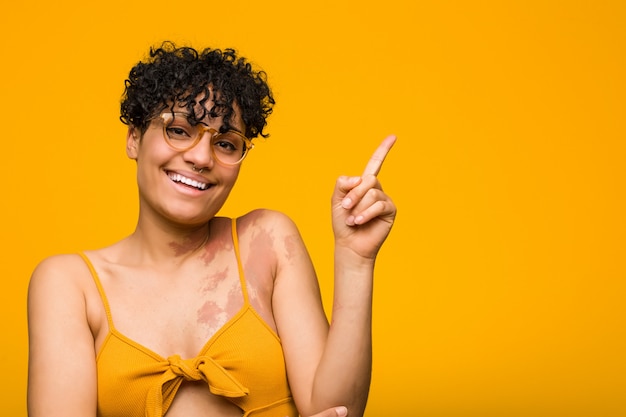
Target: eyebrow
<point x="208" y="115"/>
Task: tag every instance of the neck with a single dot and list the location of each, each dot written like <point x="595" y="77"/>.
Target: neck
<point x="165" y="243"/>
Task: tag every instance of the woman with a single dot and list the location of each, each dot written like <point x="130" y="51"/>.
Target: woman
<point x="198" y="315"/>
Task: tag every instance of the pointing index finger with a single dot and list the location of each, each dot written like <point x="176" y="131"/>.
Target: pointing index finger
<point x="377" y="159"/>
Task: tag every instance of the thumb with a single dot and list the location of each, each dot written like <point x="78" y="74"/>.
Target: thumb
<point x="333" y="412"/>
<point x="341" y="411"/>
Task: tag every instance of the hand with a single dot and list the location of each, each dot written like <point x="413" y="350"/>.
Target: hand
<point x="333" y="412"/>
<point x="362" y="213"/>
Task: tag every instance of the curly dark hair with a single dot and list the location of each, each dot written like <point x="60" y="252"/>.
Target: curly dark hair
<point x="184" y="76"/>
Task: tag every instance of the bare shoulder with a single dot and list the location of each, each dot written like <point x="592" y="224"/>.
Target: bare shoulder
<point x="59" y="328"/>
<point x="58" y="274"/>
<point x="270" y="229"/>
<point x="59" y="267"/>
<point x="269" y="220"/>
<point x="272" y="236"/>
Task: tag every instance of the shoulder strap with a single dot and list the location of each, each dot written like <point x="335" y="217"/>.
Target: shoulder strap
<point x="242" y="278"/>
<point x="103" y="296"/>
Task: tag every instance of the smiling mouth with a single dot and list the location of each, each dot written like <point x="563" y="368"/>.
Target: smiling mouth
<point x="188" y="181"/>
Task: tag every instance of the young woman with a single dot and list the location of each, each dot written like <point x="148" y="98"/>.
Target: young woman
<point x="196" y="315"/>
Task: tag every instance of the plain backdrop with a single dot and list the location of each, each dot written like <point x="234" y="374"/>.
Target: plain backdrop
<point x="500" y="291"/>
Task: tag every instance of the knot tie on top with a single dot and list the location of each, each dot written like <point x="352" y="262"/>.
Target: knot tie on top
<point x="185" y="368"/>
<point x="202" y="368"/>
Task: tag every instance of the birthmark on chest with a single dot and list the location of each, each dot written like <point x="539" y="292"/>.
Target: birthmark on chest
<point x="216" y="312"/>
<point x="214" y="280"/>
<point x="212" y="315"/>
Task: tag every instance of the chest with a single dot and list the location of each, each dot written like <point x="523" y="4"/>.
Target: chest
<point x="177" y="311"/>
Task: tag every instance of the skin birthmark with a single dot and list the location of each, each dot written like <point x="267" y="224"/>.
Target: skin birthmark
<point x="235" y="300"/>
<point x="260" y="267"/>
<point x="214" y="280"/>
<point x="291" y="246"/>
<point x="181" y="249"/>
<point x="215" y="313"/>
<point x="212" y="316"/>
<point x="213" y="247"/>
<point x="261" y="245"/>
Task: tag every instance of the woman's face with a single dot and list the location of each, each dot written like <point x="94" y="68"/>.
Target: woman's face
<point x="184" y="187"/>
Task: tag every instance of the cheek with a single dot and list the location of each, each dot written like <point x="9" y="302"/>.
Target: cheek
<point x="153" y="152"/>
<point x="231" y="174"/>
<point x="144" y="171"/>
<point x="153" y="146"/>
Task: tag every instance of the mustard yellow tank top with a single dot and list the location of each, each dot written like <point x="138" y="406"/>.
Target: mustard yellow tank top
<point x="242" y="362"/>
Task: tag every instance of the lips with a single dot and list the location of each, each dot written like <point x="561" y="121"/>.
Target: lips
<point x="187" y="181"/>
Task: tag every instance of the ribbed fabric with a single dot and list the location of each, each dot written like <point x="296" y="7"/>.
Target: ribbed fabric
<point x="243" y="362"/>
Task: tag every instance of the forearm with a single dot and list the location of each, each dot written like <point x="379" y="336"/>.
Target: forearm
<point x="344" y="372"/>
<point x="362" y="217"/>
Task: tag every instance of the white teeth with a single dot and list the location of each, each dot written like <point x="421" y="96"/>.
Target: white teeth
<point x="188" y="181"/>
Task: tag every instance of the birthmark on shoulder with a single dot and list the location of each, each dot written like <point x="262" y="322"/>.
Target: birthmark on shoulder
<point x="292" y="245"/>
<point x="262" y="240"/>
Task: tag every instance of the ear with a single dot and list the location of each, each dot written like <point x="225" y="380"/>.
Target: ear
<point x="132" y="142"/>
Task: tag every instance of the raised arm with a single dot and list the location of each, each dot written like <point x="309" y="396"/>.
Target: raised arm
<point x="332" y="366"/>
<point x="61" y="367"/>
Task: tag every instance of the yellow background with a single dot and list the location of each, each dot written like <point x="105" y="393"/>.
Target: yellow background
<point x="500" y="291"/>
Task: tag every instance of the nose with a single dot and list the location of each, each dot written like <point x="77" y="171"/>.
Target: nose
<point x="201" y="155"/>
